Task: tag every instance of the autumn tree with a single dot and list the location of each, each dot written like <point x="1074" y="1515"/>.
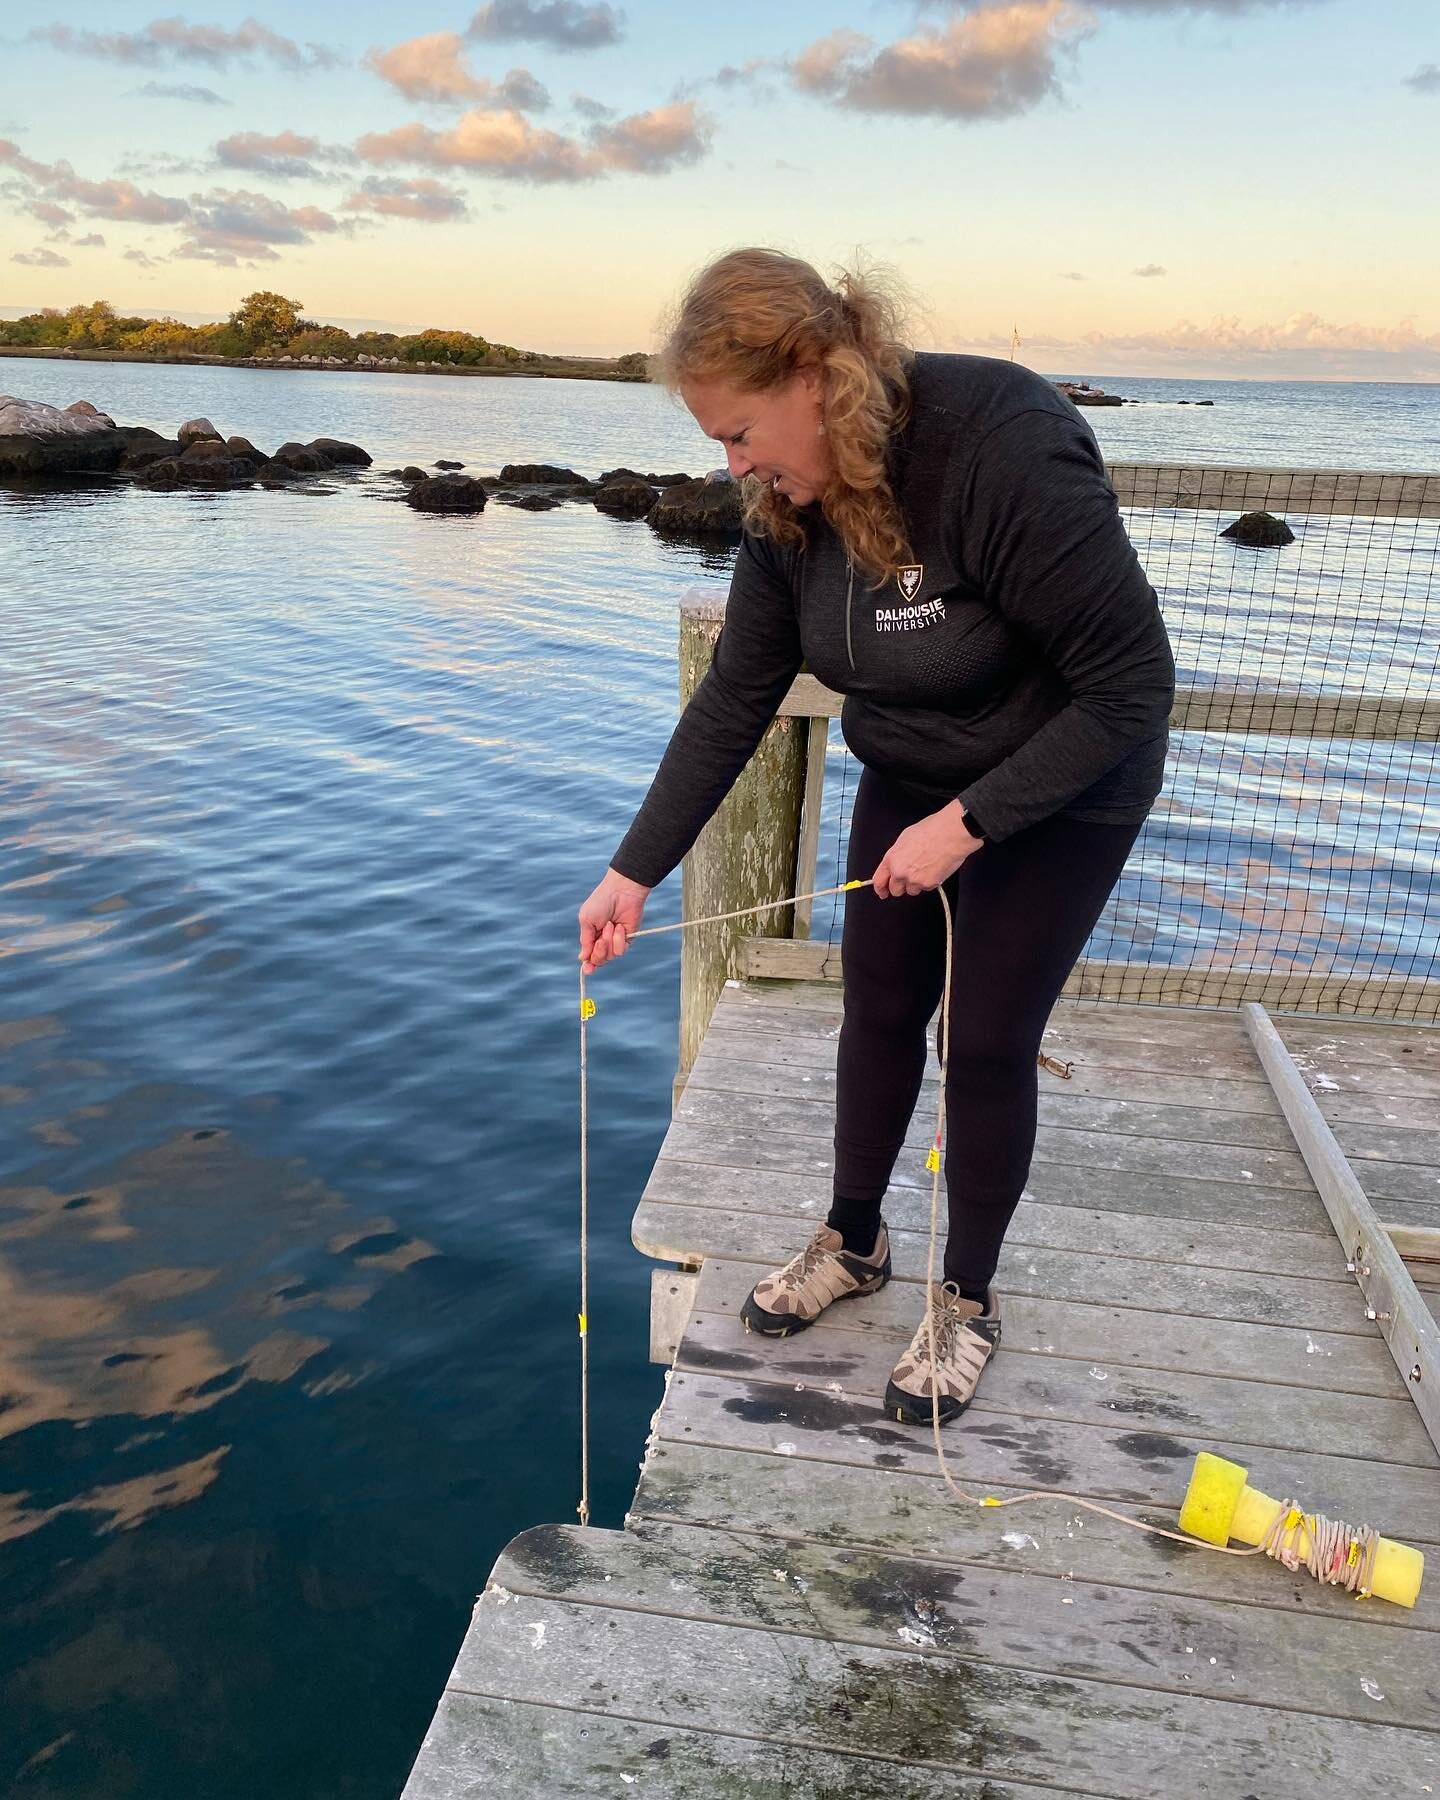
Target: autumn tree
<point x="92" y="327"/>
<point x="264" y="318"/>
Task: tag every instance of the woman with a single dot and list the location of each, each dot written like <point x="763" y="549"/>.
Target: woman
<point x="934" y="536"/>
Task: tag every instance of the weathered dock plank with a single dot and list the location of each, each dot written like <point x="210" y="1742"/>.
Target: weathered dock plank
<point x="797" y="1605"/>
<point x="1174" y="1643"/>
<point x="960" y="1715"/>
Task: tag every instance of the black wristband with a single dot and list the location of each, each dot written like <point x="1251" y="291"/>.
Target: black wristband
<point x="973" y="825"/>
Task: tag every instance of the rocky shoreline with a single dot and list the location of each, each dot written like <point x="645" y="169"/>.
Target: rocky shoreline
<point x="44" y="444"/>
<point x="543" y="368"/>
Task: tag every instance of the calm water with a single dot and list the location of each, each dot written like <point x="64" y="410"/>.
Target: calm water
<point x="300" y="793"/>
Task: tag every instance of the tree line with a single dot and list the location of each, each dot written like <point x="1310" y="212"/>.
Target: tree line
<point x="264" y="324"/>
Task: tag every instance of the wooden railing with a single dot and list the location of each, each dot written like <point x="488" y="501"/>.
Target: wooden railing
<point x="764" y="842"/>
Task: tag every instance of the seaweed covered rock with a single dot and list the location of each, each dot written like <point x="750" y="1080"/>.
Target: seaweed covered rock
<point x="193" y="430"/>
<point x="1259" y="531"/>
<point x="699" y="509"/>
<point x="447" y="493"/>
<point x="630" y="499"/>
<point x="341" y="454"/>
<point x="536" y="474"/>
<point x="303" y="459"/>
<point x="141" y="447"/>
<point x="622" y="474"/>
<point x="191" y="471"/>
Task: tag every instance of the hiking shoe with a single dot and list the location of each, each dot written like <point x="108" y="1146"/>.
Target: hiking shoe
<point x="966" y="1335"/>
<point x="795" y="1296"/>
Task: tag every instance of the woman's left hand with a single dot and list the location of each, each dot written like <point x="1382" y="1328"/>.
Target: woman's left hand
<point x="926" y="854"/>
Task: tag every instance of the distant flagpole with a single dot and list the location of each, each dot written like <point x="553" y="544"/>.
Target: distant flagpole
<point x="1014" y="341"/>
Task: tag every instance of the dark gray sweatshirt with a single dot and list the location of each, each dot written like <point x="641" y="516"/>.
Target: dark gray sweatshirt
<point x="1020" y="666"/>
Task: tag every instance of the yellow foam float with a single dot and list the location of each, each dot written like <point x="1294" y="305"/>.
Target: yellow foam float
<point x="1220" y="1504"/>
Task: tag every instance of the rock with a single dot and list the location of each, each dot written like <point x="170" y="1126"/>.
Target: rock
<point x="343" y="455"/>
<point x="140" y="447"/>
<point x="85" y="410"/>
<point x="411" y="474"/>
<point x="1259" y="531"/>
<point x="626" y="499"/>
<point x="141" y="456"/>
<point x="447" y="493"/>
<point x="187" y="470"/>
<point x="707" y="508"/>
<point x="36" y="439"/>
<point x="576" y="490"/>
<point x="242" y="448"/>
<point x="207" y="450"/>
<point x="442" y="463"/>
<point x="536" y="474"/>
<point x="609" y="475"/>
<point x="1204" y="402"/>
<point x="531" y="502"/>
<point x="193" y="430"/>
<point x="276" y="474"/>
<point x="303" y="459"/>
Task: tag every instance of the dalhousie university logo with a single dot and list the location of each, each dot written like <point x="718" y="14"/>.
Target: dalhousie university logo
<point x="908" y="580"/>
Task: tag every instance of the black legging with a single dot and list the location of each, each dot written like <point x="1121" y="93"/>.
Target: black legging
<point x="1023" y="910"/>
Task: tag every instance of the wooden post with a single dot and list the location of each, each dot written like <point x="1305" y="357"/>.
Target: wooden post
<point x="747" y="854"/>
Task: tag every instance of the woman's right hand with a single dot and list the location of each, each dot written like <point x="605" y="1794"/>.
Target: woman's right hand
<point x="608" y="918"/>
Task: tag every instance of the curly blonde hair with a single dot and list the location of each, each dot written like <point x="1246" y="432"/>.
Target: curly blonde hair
<point x="752" y="319"/>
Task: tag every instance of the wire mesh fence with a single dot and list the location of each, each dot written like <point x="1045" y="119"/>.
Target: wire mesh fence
<point x="1292" y="856"/>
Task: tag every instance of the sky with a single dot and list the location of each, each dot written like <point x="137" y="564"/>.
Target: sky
<point x="1241" y="188"/>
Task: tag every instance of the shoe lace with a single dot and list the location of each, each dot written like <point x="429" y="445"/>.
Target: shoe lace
<point x="951" y="1338"/>
<point x="800" y="1268"/>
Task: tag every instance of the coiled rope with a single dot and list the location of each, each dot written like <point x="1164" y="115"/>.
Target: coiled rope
<point x="1335" y="1553"/>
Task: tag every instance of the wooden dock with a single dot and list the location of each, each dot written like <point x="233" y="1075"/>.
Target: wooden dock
<point x="797" y="1607"/>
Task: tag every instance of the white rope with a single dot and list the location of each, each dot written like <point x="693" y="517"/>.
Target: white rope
<point x="1332" y="1551"/>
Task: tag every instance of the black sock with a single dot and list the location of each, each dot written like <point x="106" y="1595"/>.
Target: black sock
<point x="858" y="1223"/>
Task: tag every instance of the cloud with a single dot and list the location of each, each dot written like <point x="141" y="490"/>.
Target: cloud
<point x="1426" y="79"/>
<point x="167" y="39"/>
<point x="231" y="226"/>
<point x="1150" y="269"/>
<point x="92" y="240"/>
<point x="48" y="213"/>
<point x="651" y="142"/>
<point x="143" y="257"/>
<point x="595" y="111"/>
<point x="563" y="24"/>
<point x="987" y="64"/>
<point x="161" y="90"/>
<point x="101" y="199"/>
<point x="1072" y="275"/>
<point x="161" y="162"/>
<point x="394" y="198"/>
<point x="1302" y="346"/>
<point x="433" y="68"/>
<point x="41" y="259"/>
<point x="507" y="145"/>
<point x="731" y="75"/>
<point x="285" y="153"/>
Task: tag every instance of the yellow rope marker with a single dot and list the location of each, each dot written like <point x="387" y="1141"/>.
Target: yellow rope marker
<point x="1220" y="1504"/>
